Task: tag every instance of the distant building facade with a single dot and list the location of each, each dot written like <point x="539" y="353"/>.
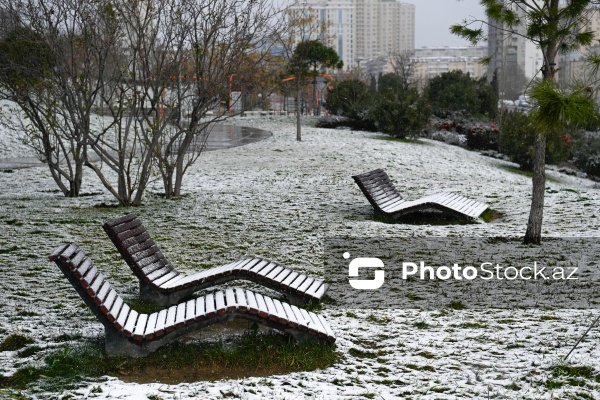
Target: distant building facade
<point x="512" y="57"/>
<point x="432" y="62"/>
<point x="429" y="62"/>
<point x="359" y="30"/>
<point x="573" y="66"/>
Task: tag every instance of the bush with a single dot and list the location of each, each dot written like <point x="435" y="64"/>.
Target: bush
<point x="398" y="111"/>
<point x="351" y="99"/>
<point x="482" y="136"/>
<point x="456" y="91"/>
<point x="517" y="134"/>
<point x="586" y="153"/>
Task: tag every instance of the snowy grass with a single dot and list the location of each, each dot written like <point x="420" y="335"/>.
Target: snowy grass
<point x="280" y="199"/>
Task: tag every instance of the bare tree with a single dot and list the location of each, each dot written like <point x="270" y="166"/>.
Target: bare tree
<point x="215" y="43"/>
<point x="129" y="133"/>
<point x="404" y="67"/>
<point x="49" y="65"/>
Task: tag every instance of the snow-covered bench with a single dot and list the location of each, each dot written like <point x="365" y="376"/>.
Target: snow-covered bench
<point x="128" y="332"/>
<point x="162" y="284"/>
<point x="388" y="202"/>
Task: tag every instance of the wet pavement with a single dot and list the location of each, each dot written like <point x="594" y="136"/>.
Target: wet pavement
<point x="221" y="137"/>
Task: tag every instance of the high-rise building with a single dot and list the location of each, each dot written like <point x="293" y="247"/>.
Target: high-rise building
<point x="512" y="57"/>
<point x="359" y="29"/>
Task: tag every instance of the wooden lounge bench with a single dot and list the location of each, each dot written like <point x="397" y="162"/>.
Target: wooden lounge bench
<point x="388" y="202"/>
<point x="128" y="332"/>
<point x="162" y="284"/>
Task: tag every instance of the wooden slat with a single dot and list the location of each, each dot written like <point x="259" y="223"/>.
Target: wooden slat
<point x="306" y="284"/>
<point x="170" y="320"/>
<point x="321" y="290"/>
<point x="77" y="259"/>
<point x="56" y="253"/>
<point x="180" y="315"/>
<point x="327" y="327"/>
<point x="166" y="278"/>
<point x="150" y="330"/>
<point x="210" y="305"/>
<point x="150" y="269"/>
<point x="126" y="226"/>
<point x="151" y="259"/>
<point x="252" y="303"/>
<point x="251" y="264"/>
<point x="102" y="293"/>
<point x="115" y="309"/>
<point x="140" y="327"/>
<point x="263" y="310"/>
<point x="83" y="268"/>
<point x="313" y="289"/>
<point x="190" y="311"/>
<point x="282" y="275"/>
<point x="241" y="299"/>
<point x="89" y="276"/>
<point x="176" y="281"/>
<point x="129" y="326"/>
<point x="220" y="302"/>
<point x="161" y="320"/>
<point x="141" y="245"/>
<point x="119" y="323"/>
<point x="316" y="324"/>
<point x="69" y="251"/>
<point x="274" y="272"/>
<point x="200" y="309"/>
<point x="231" y="301"/>
<point x="299" y="318"/>
<point x="123" y="236"/>
<point x="108" y="301"/>
<point x="273" y="314"/>
<point x="259" y="266"/>
<point x="282" y="316"/>
<point x="298" y="281"/>
<point x="154" y="276"/>
<point x="120" y="220"/>
<point x="290" y="278"/>
<point x="95" y="286"/>
<point x="291" y="317"/>
<point x="307" y="319"/>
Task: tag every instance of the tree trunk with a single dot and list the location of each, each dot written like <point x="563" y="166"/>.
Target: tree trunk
<point x="533" y="235"/>
<point x="298" y="110"/>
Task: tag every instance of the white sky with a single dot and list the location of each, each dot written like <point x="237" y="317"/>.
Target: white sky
<point x="434" y="18"/>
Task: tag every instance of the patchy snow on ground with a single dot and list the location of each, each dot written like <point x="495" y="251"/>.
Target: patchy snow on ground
<point x="281" y="199"/>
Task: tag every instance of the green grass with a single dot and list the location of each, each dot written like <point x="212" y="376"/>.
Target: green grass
<point x="401" y="140"/>
<point x="571" y="375"/>
<point x="457" y="305"/>
<point x="490" y="215"/>
<point x="252" y="354"/>
<point x="529" y="174"/>
<point x="15" y="342"/>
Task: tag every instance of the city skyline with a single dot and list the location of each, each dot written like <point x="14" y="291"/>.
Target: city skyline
<point x="433" y="20"/>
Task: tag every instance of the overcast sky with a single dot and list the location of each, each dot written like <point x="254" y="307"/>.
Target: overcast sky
<point x="434" y="18"/>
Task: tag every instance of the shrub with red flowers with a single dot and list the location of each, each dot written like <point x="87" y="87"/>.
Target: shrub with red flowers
<point x="482" y="136"/>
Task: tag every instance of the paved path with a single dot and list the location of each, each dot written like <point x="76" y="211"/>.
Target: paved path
<point x="221" y="137"/>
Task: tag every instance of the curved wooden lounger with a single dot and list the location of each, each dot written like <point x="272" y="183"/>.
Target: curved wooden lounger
<point x="388" y="202"/>
<point x="128" y="332"/>
<point x="162" y="284"/>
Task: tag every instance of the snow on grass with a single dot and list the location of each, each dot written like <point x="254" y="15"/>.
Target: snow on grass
<point x="280" y="199"/>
